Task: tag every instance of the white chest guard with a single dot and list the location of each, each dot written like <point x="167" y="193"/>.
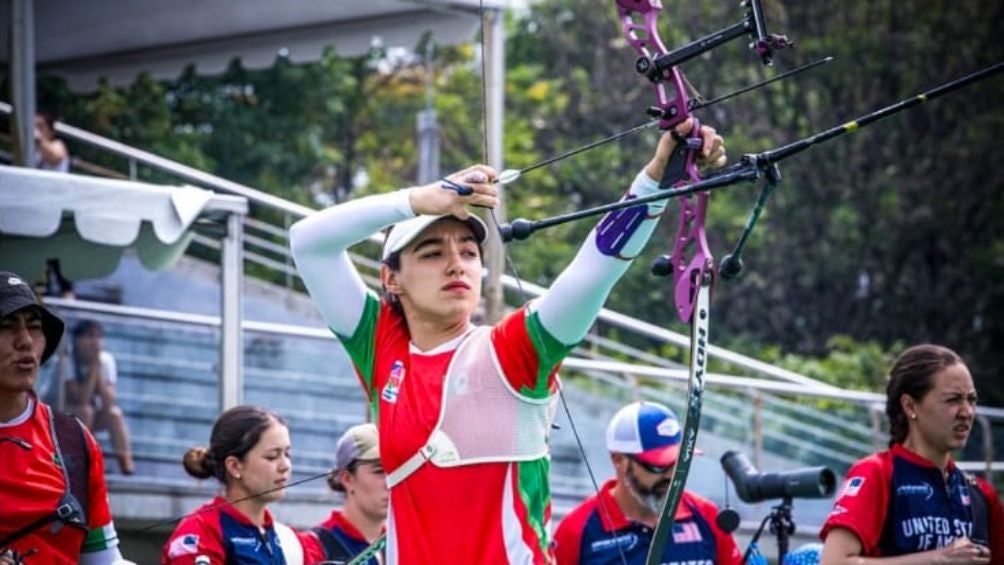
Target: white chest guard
<point x="482" y="419"/>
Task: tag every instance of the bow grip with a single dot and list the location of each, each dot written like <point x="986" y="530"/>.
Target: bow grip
<point x="682" y="164"/>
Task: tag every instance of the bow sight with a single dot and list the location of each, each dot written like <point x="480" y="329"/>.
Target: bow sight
<point x="657" y="64"/>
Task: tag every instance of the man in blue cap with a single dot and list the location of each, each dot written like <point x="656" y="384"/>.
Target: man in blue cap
<point x="644" y="442"/>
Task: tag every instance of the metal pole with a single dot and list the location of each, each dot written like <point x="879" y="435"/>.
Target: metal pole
<point x="428" y="146"/>
<point x="22" y="34"/>
<point x="494" y="42"/>
<point x="428" y="130"/>
<point x="758" y="429"/>
<point x="876" y="412"/>
<point x="231" y="316"/>
<point x="988" y="446"/>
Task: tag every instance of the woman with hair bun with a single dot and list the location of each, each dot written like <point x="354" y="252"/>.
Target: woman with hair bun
<point x="249" y="454"/>
<point x="912" y="503"/>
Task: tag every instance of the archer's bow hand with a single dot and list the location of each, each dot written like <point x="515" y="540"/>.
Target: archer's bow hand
<point x="712" y="152"/>
<point x="473" y="186"/>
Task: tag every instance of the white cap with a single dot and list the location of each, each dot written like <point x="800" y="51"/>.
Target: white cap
<point x="403" y="233"/>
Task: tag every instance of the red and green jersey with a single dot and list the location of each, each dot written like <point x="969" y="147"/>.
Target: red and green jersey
<point x="31" y="485"/>
<point x="507" y="504"/>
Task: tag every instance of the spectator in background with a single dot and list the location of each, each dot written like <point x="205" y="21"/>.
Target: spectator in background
<point x="90" y="390"/>
<point x="55" y="284"/>
<point x="32" y="437"/>
<point x="249" y="454"/>
<point x="51" y="153"/>
<point x="359" y="474"/>
<point x="644" y="442"/>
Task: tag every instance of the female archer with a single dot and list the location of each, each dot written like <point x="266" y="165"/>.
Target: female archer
<point x="463" y="411"/>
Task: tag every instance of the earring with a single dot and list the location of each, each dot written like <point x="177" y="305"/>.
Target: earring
<point x="237" y="476"/>
<point x="913" y="416"/>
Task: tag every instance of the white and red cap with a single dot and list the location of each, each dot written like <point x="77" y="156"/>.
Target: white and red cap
<point x="403" y="233"/>
<point x="648" y="430"/>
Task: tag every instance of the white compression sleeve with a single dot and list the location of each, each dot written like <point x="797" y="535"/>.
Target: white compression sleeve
<point x="319" y="244"/>
<point x="571" y="304"/>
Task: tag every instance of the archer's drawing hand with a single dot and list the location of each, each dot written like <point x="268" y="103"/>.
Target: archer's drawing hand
<point x="437" y="198"/>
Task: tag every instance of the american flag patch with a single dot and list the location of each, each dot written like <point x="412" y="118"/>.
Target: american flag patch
<point x="852" y="486"/>
<point x="185" y="545"/>
<point x="964" y="495"/>
<point x="687" y="532"/>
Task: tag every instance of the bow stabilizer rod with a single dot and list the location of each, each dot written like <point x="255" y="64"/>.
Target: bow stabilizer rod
<point x="776" y="155"/>
<point x="751" y="167"/>
<point x="522" y="228"/>
<point x="731" y="264"/>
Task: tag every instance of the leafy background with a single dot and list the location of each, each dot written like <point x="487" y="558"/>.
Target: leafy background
<point x="881" y="239"/>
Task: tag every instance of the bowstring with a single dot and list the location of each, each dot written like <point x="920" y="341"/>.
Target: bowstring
<point x="223" y="503"/>
<point x="524" y="298"/>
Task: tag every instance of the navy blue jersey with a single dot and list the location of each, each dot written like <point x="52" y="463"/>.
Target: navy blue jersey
<point x="350" y="540"/>
<point x="221" y="533"/>
<point x="896" y="502"/>
<point x="591" y="535"/>
<point x="925" y="512"/>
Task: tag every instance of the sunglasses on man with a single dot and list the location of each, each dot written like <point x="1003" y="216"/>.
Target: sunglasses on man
<point x="650" y="467"/>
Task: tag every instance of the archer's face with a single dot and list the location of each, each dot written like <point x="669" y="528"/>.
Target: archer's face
<point x="22" y="343"/>
<point x="440" y="275"/>
<point x="945" y="414"/>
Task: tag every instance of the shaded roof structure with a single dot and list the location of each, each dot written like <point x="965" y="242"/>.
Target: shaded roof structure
<point x="119" y="39"/>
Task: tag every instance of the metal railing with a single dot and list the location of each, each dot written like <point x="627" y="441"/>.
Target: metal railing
<point x="267" y="246"/>
<point x="783" y="402"/>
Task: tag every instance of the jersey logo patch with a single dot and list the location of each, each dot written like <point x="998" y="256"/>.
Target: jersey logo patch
<point x="964" y="495"/>
<point x="925" y="490"/>
<point x="393" y="386"/>
<point x="627" y="541"/>
<point x="185" y="545"/>
<point x="852" y="487"/>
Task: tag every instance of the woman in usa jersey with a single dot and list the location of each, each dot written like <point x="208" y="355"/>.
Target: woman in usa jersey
<point x="463" y="411"/>
<point x="912" y="504"/>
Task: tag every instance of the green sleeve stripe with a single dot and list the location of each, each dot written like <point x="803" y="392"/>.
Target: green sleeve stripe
<point x="550" y="352"/>
<point x="535" y="492"/>
<point x="100" y="538"/>
<point x="360" y="344"/>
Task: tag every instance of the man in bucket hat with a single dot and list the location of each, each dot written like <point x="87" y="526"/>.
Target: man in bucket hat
<point x="644" y="442"/>
<point x="359" y="475"/>
<point x="61" y="515"/>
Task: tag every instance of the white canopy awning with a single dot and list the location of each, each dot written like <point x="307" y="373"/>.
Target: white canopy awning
<point x="88" y="222"/>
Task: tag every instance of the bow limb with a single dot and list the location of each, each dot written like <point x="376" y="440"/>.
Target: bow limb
<point x="692" y="422"/>
<point x="692" y="276"/>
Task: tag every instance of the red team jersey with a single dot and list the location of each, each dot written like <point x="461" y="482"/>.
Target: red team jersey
<point x="897" y="502"/>
<point x="506" y="504"/>
<point x="31" y="485"/>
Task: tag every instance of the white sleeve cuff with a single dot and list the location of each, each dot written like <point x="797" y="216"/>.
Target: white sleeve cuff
<point x="644" y="185"/>
<point x="401" y="201"/>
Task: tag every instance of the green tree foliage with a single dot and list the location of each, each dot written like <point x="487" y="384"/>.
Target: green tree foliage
<point x="887" y="237"/>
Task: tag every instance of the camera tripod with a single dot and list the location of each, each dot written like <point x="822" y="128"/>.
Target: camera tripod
<point x="781" y="525"/>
